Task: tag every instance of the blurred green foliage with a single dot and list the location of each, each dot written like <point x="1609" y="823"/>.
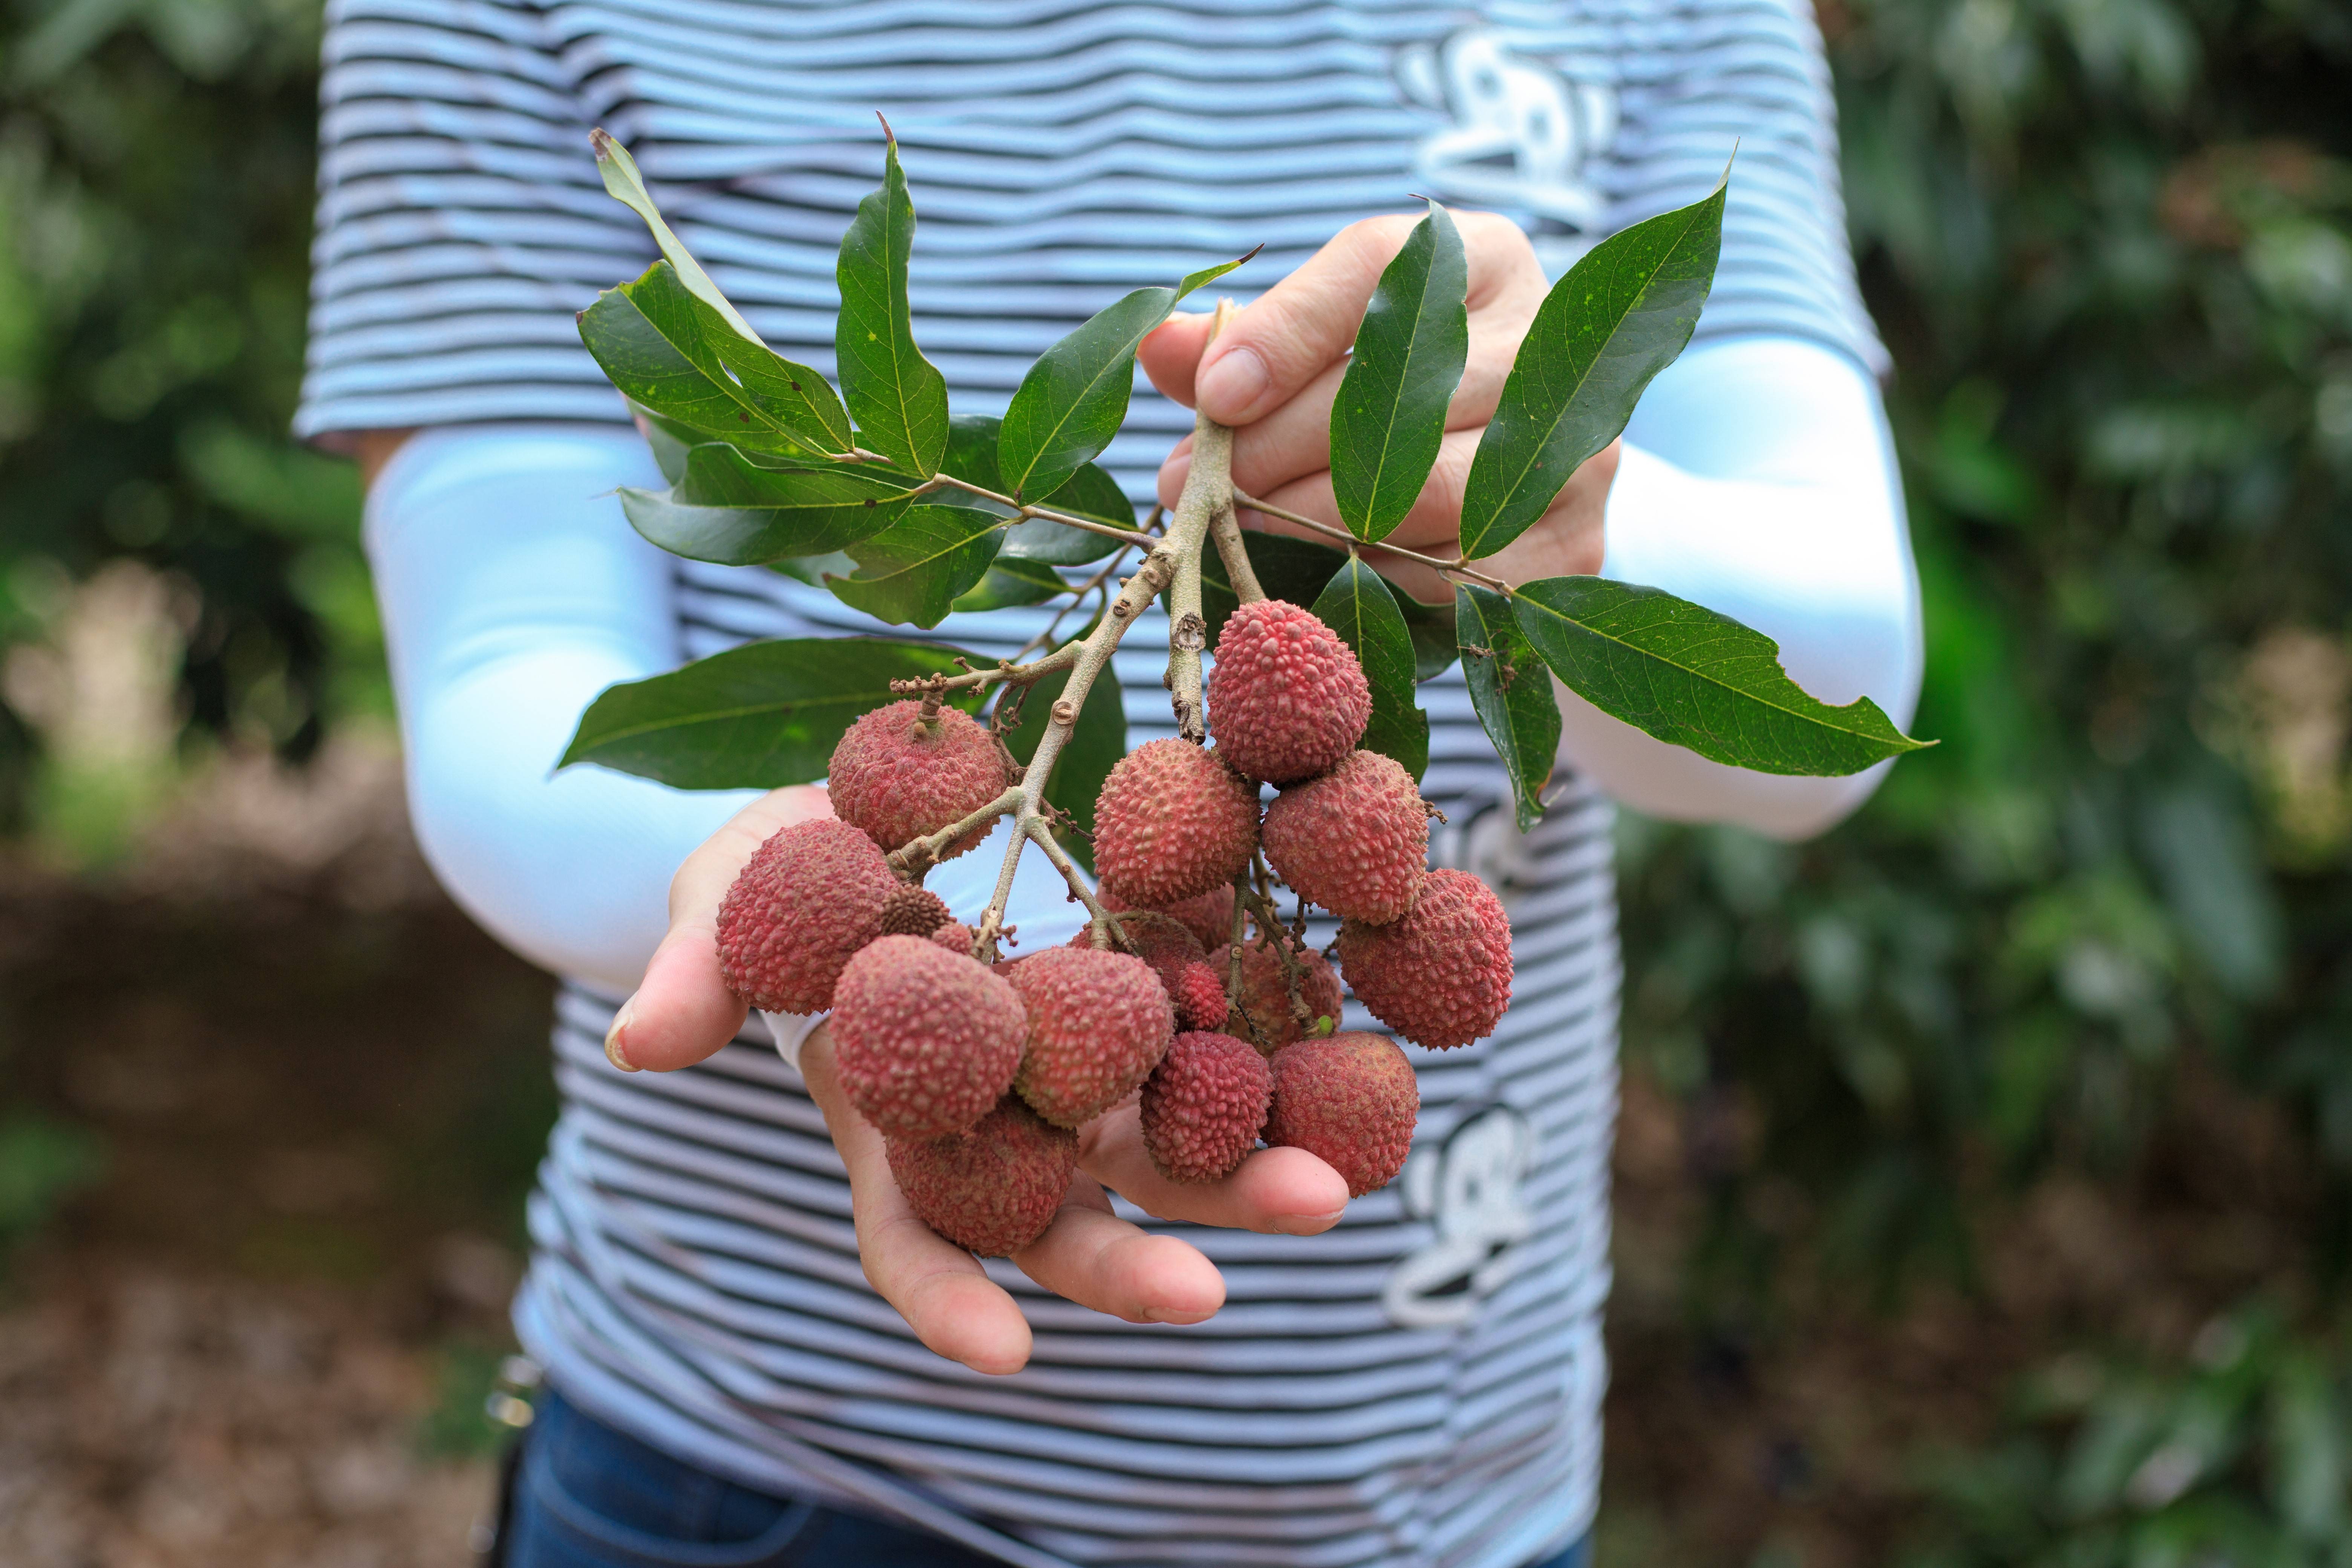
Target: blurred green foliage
<point x="43" y="1162"/>
<point x="2110" y="244"/>
<point x="155" y="185"/>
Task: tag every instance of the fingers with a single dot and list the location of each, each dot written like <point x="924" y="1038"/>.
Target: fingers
<point x="938" y="1288"/>
<point x="1099" y="1261"/>
<point x="1306" y="322"/>
<point x="682" y="1010"/>
<point x="1286" y="1192"/>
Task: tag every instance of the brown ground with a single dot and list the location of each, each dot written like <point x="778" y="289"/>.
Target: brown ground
<point x="263" y="1336"/>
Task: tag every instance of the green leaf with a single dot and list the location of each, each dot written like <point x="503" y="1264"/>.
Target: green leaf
<point x="1012" y="580"/>
<point x="1074" y="399"/>
<point x="913" y="572"/>
<point x="1511" y="691"/>
<point x="626" y="187"/>
<point x="1688" y="675"/>
<point x="1432" y="628"/>
<point x="1389" y="415"/>
<point x="669" y="440"/>
<point x="1620" y="316"/>
<point x="970" y="453"/>
<point x="757" y="717"/>
<point x="897" y="398"/>
<point x="1360" y="606"/>
<point x="727" y="510"/>
<point x="1096" y="744"/>
<point x="680" y="358"/>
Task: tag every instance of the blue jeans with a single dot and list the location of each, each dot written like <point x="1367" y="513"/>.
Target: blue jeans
<point x="587" y="1496"/>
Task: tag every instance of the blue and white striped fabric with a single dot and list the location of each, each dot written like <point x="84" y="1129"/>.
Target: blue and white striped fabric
<point x="1420" y="1386"/>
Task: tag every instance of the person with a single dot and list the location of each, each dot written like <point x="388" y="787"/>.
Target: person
<point x="755" y="1353"/>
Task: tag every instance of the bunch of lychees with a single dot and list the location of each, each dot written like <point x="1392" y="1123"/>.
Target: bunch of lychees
<point x="980" y="1071"/>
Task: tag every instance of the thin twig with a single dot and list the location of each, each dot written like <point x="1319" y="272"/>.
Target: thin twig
<point x="1226" y="531"/>
<point x="1042" y="514"/>
<point x="915" y="858"/>
<point x="1004" y="674"/>
<point x="1458" y="568"/>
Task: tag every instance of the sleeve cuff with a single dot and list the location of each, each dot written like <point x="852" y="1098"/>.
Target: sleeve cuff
<point x="791" y="1031"/>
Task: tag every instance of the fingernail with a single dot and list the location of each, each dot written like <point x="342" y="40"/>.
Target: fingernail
<point x="1228" y="389"/>
<point x="1306" y="1224"/>
<point x="613" y="1036"/>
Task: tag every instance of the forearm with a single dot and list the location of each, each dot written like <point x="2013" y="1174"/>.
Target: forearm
<point x="1758" y="479"/>
<point x="513" y="592"/>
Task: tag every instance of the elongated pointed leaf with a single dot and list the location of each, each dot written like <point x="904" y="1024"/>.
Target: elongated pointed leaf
<point x="897" y="398"/>
<point x="1390" y="416"/>
<point x="757" y="717"/>
<point x="914" y="572"/>
<point x="1010" y="579"/>
<point x="1093" y="748"/>
<point x="727" y="509"/>
<point x="672" y="352"/>
<point x="1360" y="606"/>
<point x="1687" y="675"/>
<point x="1074" y="399"/>
<point x="1511" y="691"/>
<point x="626" y="187"/>
<point x="1620" y="316"/>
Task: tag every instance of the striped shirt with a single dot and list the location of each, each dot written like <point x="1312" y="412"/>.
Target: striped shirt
<point x="1421" y="1386"/>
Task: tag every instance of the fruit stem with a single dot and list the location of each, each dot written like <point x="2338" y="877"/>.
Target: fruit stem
<point x="1006" y="673"/>
<point x="1226" y="531"/>
<point x="913" y="861"/>
<point x="1456" y="568"/>
<point x="1206" y="488"/>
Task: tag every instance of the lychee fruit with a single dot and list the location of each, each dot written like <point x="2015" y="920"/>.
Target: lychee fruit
<point x="1287" y="697"/>
<point x="1202" y="1106"/>
<point x="1350" y="1101"/>
<point x="899" y="772"/>
<point x="1265" y="990"/>
<point x="1209" y="916"/>
<point x="1442" y="976"/>
<point x="1098" y="1023"/>
<point x="994" y="1189"/>
<point x="914" y="911"/>
<point x="924" y="1041"/>
<point x="956" y="937"/>
<point x="1172" y="822"/>
<point x="1355" y="840"/>
<point x="1199" y="998"/>
<point x="805" y="903"/>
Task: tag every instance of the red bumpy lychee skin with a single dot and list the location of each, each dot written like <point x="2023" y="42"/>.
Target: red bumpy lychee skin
<point x="1202" y="1106"/>
<point x="808" y="901"/>
<point x="914" y="911"/>
<point x="993" y="1190"/>
<point x="1350" y="1101"/>
<point x="1265" y="990"/>
<point x="925" y="1042"/>
<point x="1098" y="1023"/>
<point x="1208" y="916"/>
<point x="956" y="937"/>
<point x="1172" y="822"/>
<point x="1287" y="698"/>
<point x="1355" y="841"/>
<point x="1199" y="998"/>
<point x="1441" y="976"/>
<point x="897" y="774"/>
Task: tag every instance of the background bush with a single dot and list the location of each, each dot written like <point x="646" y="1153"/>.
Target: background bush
<point x="2110" y="244"/>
